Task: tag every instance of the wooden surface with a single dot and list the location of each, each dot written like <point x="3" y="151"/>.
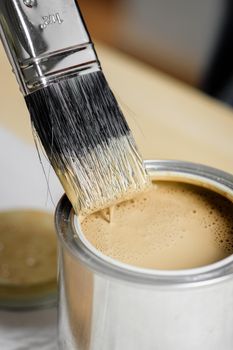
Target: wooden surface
<point x="169" y="119"/>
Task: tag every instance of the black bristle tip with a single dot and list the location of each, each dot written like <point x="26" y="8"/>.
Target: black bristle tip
<point x="87" y="140"/>
<point x="76" y="113"/>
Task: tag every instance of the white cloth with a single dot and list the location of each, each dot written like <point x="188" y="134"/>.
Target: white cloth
<point x="23" y="183"/>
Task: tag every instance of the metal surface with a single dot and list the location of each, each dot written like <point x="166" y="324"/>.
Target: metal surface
<point x="105" y="304"/>
<point x="29" y="3"/>
<point x="45" y="41"/>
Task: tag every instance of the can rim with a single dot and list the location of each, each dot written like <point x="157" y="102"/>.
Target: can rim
<point x="71" y="236"/>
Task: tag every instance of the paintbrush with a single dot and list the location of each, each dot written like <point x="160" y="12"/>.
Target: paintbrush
<point x="74" y="114"/>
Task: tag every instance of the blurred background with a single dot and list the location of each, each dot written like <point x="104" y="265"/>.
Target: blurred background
<point x="190" y="40"/>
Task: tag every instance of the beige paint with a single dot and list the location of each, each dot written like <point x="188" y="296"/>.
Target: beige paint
<point x="172" y="226"/>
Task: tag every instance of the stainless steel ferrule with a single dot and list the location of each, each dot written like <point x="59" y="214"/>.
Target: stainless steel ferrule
<point x="45" y="40"/>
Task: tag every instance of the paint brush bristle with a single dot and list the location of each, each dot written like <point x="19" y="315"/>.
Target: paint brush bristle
<point x="87" y="141"/>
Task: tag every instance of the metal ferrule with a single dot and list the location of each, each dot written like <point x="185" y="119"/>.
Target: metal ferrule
<point x="45" y="40"/>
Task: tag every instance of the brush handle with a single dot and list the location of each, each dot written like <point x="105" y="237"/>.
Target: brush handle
<point x="45" y="41"/>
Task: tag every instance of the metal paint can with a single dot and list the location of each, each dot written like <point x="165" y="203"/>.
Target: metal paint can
<point x="108" y="305"/>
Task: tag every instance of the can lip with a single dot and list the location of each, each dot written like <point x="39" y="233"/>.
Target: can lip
<point x="71" y="236"/>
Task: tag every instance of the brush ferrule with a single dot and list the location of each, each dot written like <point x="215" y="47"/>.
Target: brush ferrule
<point x="46" y="40"/>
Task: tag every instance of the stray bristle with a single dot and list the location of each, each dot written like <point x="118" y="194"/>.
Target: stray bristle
<point x="87" y="141"/>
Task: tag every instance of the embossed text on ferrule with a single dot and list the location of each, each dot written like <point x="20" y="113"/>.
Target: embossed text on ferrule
<point x="51" y="19"/>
